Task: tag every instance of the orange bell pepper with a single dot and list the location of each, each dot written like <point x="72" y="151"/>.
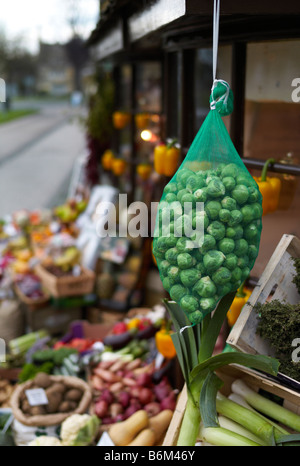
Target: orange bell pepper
<point x="142" y="120"/>
<point x="166" y="158"/>
<point x="119" y="167"/>
<point x="144" y="171"/>
<point x="121" y="119"/>
<point x="241" y="297"/>
<point x="164" y="342"/>
<point x="269" y="188"/>
<point x="107" y="160"/>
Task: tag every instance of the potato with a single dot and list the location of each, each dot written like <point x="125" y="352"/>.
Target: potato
<point x="67" y="406"/>
<point x="37" y="410"/>
<point x="25" y="406"/>
<point x="58" y="387"/>
<point x="54" y="398"/>
<point x="75" y="394"/>
<point x="42" y="380"/>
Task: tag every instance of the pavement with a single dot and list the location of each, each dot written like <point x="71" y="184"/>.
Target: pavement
<point x="37" y="156"/>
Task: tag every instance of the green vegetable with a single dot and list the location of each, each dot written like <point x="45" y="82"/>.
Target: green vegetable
<point x="205" y="288"/>
<point x="184" y="245"/>
<point x="195" y="182"/>
<point x="226" y="245"/>
<point x="201" y="195"/>
<point x="231" y="261"/>
<point x="173" y="273"/>
<point x="213" y="260"/>
<point x="229" y="170"/>
<point x="229" y="183"/>
<point x="189" y="303"/>
<point x="240" y="194"/>
<point x="212" y="208"/>
<point x="224" y="215"/>
<point x="241" y="247"/>
<point x="235" y="232"/>
<point x="208" y="243"/>
<point x="222" y="437"/>
<point x="236" y="217"/>
<point x="228" y="203"/>
<point x="177" y="292"/>
<point x="171" y="256"/>
<point x="221" y="276"/>
<point x="217" y="230"/>
<point x="247" y="214"/>
<point x="215" y="188"/>
<point x="30" y="370"/>
<point x="207" y="304"/>
<point x="185" y="260"/>
<point x="189" y="277"/>
<point x="22" y="344"/>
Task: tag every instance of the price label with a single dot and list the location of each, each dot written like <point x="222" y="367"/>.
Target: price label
<point x="36" y="397"/>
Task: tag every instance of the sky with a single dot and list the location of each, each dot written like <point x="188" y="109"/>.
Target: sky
<point x="46" y="20"/>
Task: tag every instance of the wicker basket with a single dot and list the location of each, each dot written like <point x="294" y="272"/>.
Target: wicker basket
<point x="51" y="419"/>
<point x="32" y="304"/>
<point x="67" y="286"/>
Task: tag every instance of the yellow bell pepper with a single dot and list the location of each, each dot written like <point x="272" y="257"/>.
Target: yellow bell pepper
<point x="133" y="323"/>
<point x="142" y="120"/>
<point x="269" y="188"/>
<point x="241" y="297"/>
<point x="121" y="119"/>
<point x="107" y="160"/>
<point x="164" y="342"/>
<point x="144" y="171"/>
<point x="118" y="167"/>
<point x="166" y="159"/>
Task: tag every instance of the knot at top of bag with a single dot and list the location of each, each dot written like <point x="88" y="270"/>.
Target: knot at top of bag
<point x="221" y="98"/>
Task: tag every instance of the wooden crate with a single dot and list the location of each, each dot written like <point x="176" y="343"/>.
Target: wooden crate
<point x="32" y="304"/>
<point x="274" y="283"/>
<point x="69" y="285"/>
<point x="290" y="398"/>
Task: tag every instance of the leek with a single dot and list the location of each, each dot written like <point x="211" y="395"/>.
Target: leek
<point x="22" y="344"/>
<point x="249" y="419"/>
<point x="221" y="437"/>
<point x="238" y="429"/>
<point x="267" y="407"/>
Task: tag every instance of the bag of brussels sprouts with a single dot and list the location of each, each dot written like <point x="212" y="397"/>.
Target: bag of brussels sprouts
<point x="209" y="219"/>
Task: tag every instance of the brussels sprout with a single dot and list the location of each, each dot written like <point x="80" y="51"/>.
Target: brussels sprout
<point x="254" y="194"/>
<point x="243" y="262"/>
<point x="231" y="261"/>
<point x="187" y="199"/>
<point x="171" y="240"/>
<point x="226" y="245"/>
<point x="224" y="215"/>
<point x="189" y="277"/>
<point x="230" y="170"/>
<point x="181" y="193"/>
<point x="229" y="183"/>
<point x="252" y="251"/>
<point x="183" y="175"/>
<point x="200" y="267"/>
<point x="171" y="255"/>
<point x="157" y="254"/>
<point x="257" y="211"/>
<point x="213" y="260"/>
<point x="173" y="273"/>
<point x="205" y="287"/>
<point x="220" y="168"/>
<point x="245" y="273"/>
<point x="167" y="283"/>
<point x="170" y="188"/>
<point x="236" y="218"/>
<point x="212" y="208"/>
<point x="200" y="195"/>
<point x="163" y="267"/>
<point x="195" y="182"/>
<point x="185" y="261"/>
<point x="250" y="232"/>
<point x="189" y="303"/>
<point x="216" y="229"/>
<point x="200" y="220"/>
<point x="241" y="247"/>
<point x="240" y="194"/>
<point x="183" y="225"/>
<point x="215" y="188"/>
<point x="196" y="317"/>
<point x="236" y="275"/>
<point x="184" y="245"/>
<point x="161" y="244"/>
<point x="221" y="276"/>
<point x="244" y="179"/>
<point x="207" y="304"/>
<point x="247" y="213"/>
<point x="235" y="232"/>
<point x="228" y="203"/>
<point x="177" y="292"/>
<point x="208" y="243"/>
<point x="223" y="290"/>
<point x="171" y="197"/>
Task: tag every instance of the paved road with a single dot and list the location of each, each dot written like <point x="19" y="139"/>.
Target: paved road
<point x="37" y="155"/>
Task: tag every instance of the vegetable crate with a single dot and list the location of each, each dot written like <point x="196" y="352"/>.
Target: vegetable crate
<point x="290" y="398"/>
<point x="69" y="285"/>
<point x="276" y="282"/>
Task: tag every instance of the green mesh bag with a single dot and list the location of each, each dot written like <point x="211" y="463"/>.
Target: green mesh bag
<point x="209" y="219"/>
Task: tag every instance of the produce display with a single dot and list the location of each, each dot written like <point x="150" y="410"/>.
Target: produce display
<point x="6" y="390"/>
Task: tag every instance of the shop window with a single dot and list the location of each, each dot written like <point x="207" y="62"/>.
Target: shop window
<point x="204" y="79"/>
<point x="271" y="130"/>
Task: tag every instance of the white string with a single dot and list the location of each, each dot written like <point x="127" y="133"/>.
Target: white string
<point x="223" y="97"/>
<point x="216" y="22"/>
<point x="187" y="326"/>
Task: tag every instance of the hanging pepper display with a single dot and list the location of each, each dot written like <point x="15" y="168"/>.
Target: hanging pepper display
<point x="107" y="159"/>
<point x="144" y="171"/>
<point x="142" y="120"/>
<point x="166" y="158"/>
<point x="164" y="342"/>
<point x="121" y="119"/>
<point x="118" y="167"/>
<point x="241" y="297"/>
<point x="270" y="189"/>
